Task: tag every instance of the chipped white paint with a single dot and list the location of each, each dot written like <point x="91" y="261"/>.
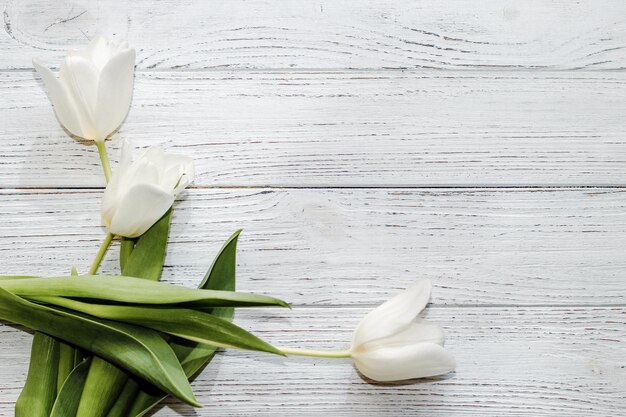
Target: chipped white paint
<point x="201" y="34"/>
<point x="308" y="133"/>
<point x="352" y="247"/>
<point x="512" y="361"/>
<point x="363" y="128"/>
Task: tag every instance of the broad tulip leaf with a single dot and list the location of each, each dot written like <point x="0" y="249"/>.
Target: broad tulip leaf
<point x="221" y="277"/>
<point x="133" y="291"/>
<point x="140" y="351"/>
<point x="66" y="404"/>
<point x="102" y="386"/>
<point x="40" y="390"/>
<point x="126" y="248"/>
<point x="221" y="274"/>
<point x="142" y="258"/>
<point x="67" y="355"/>
<point x="125" y="399"/>
<point x="66" y="362"/>
<point x="193" y="356"/>
<point x="185" y="323"/>
<point x="12" y="277"/>
<point x="145" y="259"/>
<point x="40" y="369"/>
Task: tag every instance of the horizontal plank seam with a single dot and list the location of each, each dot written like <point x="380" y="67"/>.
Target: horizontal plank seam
<point x="477" y="68"/>
<point x="469" y="305"/>
<point x="344" y="187"/>
<point x="451" y="306"/>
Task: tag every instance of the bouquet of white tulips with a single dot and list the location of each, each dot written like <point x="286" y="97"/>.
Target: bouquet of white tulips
<point x="107" y="346"/>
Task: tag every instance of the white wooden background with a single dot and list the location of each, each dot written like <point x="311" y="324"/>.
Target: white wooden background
<point x="361" y="144"/>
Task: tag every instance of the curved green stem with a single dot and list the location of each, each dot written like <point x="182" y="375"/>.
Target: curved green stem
<point x="104" y="158"/>
<point x="315" y="353"/>
<point x="103" y="249"/>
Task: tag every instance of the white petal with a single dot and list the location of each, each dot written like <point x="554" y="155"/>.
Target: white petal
<point x="419" y="331"/>
<point x="61" y="101"/>
<point x="147" y="169"/>
<point x="126" y="155"/>
<point x="80" y="78"/>
<point x="142" y="172"/>
<point x="118" y="184"/>
<point x="109" y="204"/>
<point x="155" y="156"/>
<point x="83" y="53"/>
<point x="98" y="51"/>
<point x="406" y="362"/>
<point x="120" y="46"/>
<point x="394" y="315"/>
<point x="179" y="172"/>
<point x="139" y="209"/>
<point x="115" y="91"/>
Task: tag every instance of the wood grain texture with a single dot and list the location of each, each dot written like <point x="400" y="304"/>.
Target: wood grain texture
<point x="345" y="247"/>
<point x="589" y="34"/>
<point x="512" y="361"/>
<point x="370" y="128"/>
<point x="320" y="127"/>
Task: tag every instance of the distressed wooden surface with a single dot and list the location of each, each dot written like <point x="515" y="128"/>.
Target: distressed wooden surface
<point x="351" y="247"/>
<point x="361" y="145"/>
<point x="588" y="34"/>
<point x="364" y="128"/>
<point x="513" y="361"/>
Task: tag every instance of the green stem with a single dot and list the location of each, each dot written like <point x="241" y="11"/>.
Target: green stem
<point x="104" y="158"/>
<point x="103" y="249"/>
<point x="315" y="353"/>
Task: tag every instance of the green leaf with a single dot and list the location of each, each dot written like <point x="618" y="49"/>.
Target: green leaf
<point x="141" y="351"/>
<point x="66" y="362"/>
<point x="220" y="276"/>
<point x="39" y="365"/>
<point x="193" y="356"/>
<point x="103" y="384"/>
<point x="146" y="258"/>
<point x="12" y="277"/>
<point x="125" y="399"/>
<point x="78" y="357"/>
<point x="141" y="258"/>
<point x="66" y="404"/>
<point x="67" y="355"/>
<point x="126" y="248"/>
<point x="40" y="390"/>
<point x="133" y="291"/>
<point x="185" y="323"/>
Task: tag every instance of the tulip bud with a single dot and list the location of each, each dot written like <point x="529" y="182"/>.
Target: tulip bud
<point x="140" y="193"/>
<point x="92" y="95"/>
<point x="391" y="344"/>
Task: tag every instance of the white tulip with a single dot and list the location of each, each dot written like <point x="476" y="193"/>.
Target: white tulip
<point x="140" y="193"/>
<point x="92" y="95"/>
<point x="392" y="344"/>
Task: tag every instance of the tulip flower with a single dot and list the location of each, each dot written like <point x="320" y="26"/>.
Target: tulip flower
<point x="392" y="344"/>
<point x="140" y="193"/>
<point x="92" y="94"/>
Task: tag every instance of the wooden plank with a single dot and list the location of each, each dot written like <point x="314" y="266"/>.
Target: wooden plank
<point x="370" y="128"/>
<point x="358" y="246"/>
<point x="201" y="34"/>
<point x="511" y="361"/>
